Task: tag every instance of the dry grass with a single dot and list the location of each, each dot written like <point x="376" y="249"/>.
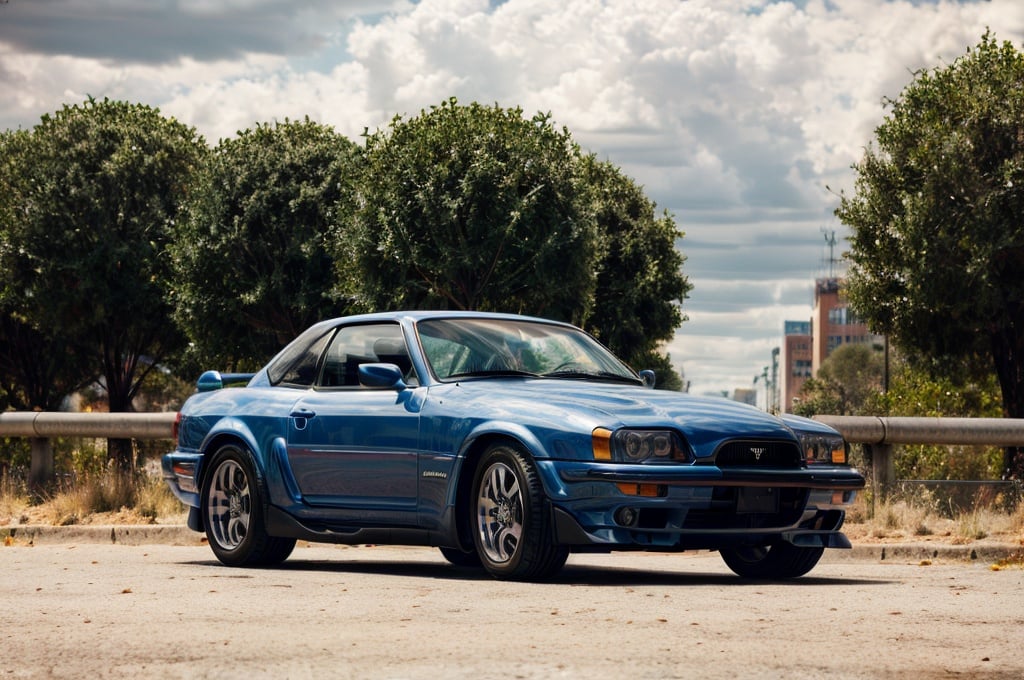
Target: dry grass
<point x="14" y="501"/>
<point x="102" y="498"/>
<point x="903" y="520"/>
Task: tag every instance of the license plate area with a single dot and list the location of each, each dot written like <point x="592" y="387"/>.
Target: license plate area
<point x="750" y="500"/>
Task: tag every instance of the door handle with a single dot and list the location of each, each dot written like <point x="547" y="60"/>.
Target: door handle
<point x="301" y="416"/>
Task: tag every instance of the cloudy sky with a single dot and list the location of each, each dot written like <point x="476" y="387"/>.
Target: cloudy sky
<point x="740" y="117"/>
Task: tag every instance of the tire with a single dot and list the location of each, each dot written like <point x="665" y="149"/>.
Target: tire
<point x="775" y="561"/>
<point x="511" y="527"/>
<point x="232" y="507"/>
<point x="460" y="558"/>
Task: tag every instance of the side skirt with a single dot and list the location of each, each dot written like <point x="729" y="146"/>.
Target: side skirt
<point x="280" y="523"/>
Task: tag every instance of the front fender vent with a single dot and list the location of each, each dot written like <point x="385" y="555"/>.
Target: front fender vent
<point x="765" y="454"/>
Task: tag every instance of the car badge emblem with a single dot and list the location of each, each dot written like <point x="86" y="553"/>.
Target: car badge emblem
<point x="757" y="452"/>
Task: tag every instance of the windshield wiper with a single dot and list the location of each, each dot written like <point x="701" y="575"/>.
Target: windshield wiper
<point x="592" y="375"/>
<point x="494" y="373"/>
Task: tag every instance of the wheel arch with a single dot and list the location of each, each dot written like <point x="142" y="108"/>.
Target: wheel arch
<point x="218" y="440"/>
<point x="253" y="545"/>
<point x="463" y="490"/>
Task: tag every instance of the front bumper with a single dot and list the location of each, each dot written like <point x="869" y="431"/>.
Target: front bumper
<point x="622" y="507"/>
<point x="816" y="477"/>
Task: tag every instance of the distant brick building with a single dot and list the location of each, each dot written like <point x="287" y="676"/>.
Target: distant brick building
<point x="808" y="343"/>
<point x="745" y="396"/>
<point x="795" y="362"/>
<point x="833" y="322"/>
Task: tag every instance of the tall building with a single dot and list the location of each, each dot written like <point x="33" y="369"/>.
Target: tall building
<point x="795" y="362"/>
<point x="807" y="344"/>
<point x="833" y="322"/>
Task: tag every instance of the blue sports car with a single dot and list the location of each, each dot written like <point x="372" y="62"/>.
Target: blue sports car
<point x="507" y="442"/>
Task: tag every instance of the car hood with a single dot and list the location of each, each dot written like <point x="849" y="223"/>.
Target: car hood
<point x="571" y="404"/>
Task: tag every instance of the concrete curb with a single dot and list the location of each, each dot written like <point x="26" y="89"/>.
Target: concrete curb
<point x="984" y="552"/>
<point x="123" y="534"/>
<point x="178" y="534"/>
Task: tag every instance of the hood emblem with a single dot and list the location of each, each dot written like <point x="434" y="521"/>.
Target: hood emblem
<point x="757" y="451"/>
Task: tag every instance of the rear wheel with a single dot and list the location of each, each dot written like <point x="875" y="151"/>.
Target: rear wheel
<point x="512" y="533"/>
<point x="774" y="561"/>
<point x="232" y="507"/>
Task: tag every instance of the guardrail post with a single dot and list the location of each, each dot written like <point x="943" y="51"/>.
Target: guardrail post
<point x="40" y="470"/>
<point x="883" y="469"/>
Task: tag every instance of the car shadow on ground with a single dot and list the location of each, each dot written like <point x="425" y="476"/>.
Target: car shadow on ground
<point x="572" y="575"/>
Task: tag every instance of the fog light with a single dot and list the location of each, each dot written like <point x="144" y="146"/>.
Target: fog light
<point x="625" y="517"/>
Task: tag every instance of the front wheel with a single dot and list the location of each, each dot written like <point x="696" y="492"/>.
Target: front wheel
<point x="232" y="506"/>
<point x="775" y="561"/>
<point x="513" y="533"/>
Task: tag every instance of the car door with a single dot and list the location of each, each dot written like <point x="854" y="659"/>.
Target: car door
<point x="355" y="447"/>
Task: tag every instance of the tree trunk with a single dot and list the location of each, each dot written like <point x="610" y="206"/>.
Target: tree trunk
<point x="121" y="452"/>
<point x="1008" y="352"/>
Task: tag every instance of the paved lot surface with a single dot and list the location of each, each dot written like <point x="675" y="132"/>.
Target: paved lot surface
<point x="115" y="610"/>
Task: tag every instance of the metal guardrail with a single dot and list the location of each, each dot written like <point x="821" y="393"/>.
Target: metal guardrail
<point x="47" y="424"/>
<point x="40" y="427"/>
<point x="873" y="430"/>
<point x="879" y="430"/>
<point x="881" y="434"/>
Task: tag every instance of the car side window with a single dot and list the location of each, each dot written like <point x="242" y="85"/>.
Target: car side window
<point x="364" y="344"/>
<point x="301" y="369"/>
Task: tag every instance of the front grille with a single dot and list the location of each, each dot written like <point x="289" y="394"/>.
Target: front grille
<point x="765" y="454"/>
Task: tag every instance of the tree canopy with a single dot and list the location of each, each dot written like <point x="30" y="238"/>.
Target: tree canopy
<point x="474" y="207"/>
<point x="937" y="246"/>
<point x="252" y="259"/>
<point x="477" y="207"/>
<point x="93" y="200"/>
<point x="39" y="367"/>
<point x="846" y="383"/>
<point x="116" y="222"/>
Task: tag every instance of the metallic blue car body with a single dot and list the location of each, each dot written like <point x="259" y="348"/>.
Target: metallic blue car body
<point x="394" y="462"/>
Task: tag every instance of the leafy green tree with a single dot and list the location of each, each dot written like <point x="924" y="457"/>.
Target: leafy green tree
<point x="253" y="267"/>
<point x="846" y="382"/>
<point x="38" y="367"/>
<point x="937" y="248"/>
<point x="38" y="370"/>
<point x="474" y="207"/>
<point x="85" y="255"/>
<point x="640" y="283"/>
<point x="914" y="393"/>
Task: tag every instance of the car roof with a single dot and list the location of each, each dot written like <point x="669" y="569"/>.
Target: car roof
<point x="421" y="315"/>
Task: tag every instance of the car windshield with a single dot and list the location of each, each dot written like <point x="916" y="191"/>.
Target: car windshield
<point x="464" y="347"/>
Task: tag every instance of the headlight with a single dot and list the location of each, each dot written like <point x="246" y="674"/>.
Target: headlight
<point x="823" y="448"/>
<point x="639" y="446"/>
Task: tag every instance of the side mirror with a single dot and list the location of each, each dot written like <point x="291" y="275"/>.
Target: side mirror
<point x="381" y="375"/>
<point x="648" y="377"/>
<point x="215" y="380"/>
